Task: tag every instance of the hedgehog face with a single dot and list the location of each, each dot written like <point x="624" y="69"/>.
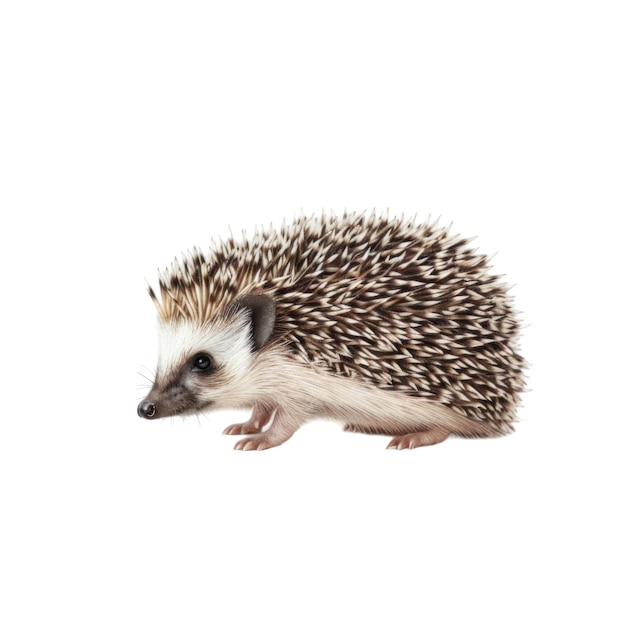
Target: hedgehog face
<point x="203" y="366"/>
<point x="199" y="367"/>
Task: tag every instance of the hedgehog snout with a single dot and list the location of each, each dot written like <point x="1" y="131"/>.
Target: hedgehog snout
<point x="147" y="409"/>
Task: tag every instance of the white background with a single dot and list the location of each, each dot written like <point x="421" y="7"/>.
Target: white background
<point x="131" y="131"/>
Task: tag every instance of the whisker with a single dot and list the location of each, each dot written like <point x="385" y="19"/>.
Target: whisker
<point x="150" y="380"/>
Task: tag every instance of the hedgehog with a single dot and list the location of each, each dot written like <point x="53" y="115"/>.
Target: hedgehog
<point x="388" y="326"/>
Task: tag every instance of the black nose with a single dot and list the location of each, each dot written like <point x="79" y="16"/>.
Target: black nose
<point x="147" y="410"/>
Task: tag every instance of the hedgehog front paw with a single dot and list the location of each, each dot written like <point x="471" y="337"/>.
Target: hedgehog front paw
<point x="278" y="432"/>
<point x="246" y="428"/>
<point x="259" y="442"/>
<point x="258" y="421"/>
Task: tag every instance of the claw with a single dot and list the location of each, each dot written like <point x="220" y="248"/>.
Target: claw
<point x="242" y="429"/>
<point x="250" y="443"/>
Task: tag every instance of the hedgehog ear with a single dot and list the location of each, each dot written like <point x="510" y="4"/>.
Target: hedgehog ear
<point x="263" y="314"/>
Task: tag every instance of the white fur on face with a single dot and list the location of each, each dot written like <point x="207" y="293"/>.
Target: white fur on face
<point x="228" y="343"/>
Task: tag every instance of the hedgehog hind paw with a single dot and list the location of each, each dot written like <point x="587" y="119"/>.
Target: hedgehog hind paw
<point x="418" y="439"/>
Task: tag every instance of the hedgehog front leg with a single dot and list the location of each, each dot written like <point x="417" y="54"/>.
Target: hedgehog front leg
<point x="281" y="429"/>
<point x="261" y="415"/>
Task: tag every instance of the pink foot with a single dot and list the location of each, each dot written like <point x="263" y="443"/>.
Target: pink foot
<point x="257" y="422"/>
<point x="415" y="440"/>
<point x="279" y="431"/>
<point x="258" y="442"/>
<point x="246" y="428"/>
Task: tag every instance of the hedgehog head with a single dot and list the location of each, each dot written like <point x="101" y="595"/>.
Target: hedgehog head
<point x="206" y="352"/>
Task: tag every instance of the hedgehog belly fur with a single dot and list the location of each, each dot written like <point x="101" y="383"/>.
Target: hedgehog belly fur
<point x="305" y="392"/>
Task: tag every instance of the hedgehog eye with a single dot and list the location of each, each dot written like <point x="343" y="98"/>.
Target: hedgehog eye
<point x="202" y="362"/>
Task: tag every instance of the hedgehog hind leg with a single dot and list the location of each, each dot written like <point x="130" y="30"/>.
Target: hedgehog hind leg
<point x="402" y="438"/>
